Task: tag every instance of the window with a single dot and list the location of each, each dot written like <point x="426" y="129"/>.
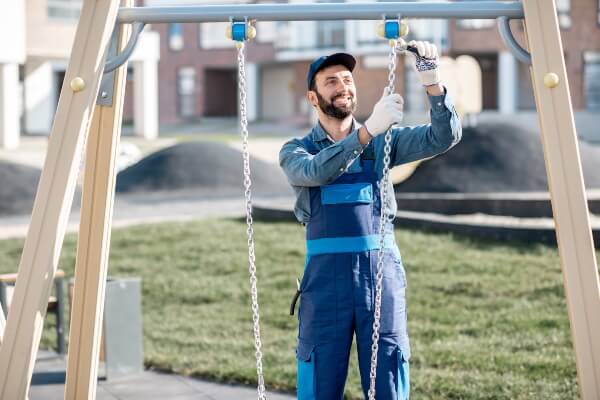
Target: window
<point x="365" y="32"/>
<point x="186" y="88"/>
<point x="284" y="30"/>
<point x="331" y="34"/>
<point x="563" y="9"/>
<point x="212" y="35"/>
<point x="475" y="23"/>
<point x="175" y="37"/>
<point x="591" y="80"/>
<point x="64" y="9"/>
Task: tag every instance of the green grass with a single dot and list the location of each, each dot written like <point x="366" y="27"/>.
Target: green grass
<point x="487" y="320"/>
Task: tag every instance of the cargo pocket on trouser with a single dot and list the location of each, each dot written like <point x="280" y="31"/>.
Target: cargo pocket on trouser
<point x="393" y="296"/>
<point x="305" y="380"/>
<point x="402" y="377"/>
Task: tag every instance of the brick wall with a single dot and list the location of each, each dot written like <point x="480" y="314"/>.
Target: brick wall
<point x="583" y="35"/>
<point x="201" y="59"/>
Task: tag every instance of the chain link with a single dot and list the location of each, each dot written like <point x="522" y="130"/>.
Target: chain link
<point x="384" y="219"/>
<point x="249" y="221"/>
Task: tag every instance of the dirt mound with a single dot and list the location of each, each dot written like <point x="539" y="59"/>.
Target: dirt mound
<point x="495" y="158"/>
<point x="18" y="185"/>
<point x="214" y="167"/>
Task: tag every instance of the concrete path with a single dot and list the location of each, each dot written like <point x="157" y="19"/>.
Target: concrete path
<point x="150" y="208"/>
<point x="49" y="377"/>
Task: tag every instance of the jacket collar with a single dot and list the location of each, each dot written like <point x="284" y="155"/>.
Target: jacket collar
<point x="319" y="134"/>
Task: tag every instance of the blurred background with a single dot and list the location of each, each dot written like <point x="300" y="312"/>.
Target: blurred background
<point x="483" y="309"/>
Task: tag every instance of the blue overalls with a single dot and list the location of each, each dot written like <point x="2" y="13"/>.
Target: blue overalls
<point x="338" y="291"/>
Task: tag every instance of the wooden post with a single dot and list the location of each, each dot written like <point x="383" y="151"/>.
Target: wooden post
<point x="2" y="324"/>
<point x="94" y="237"/>
<point x="565" y="179"/>
<point x="54" y="198"/>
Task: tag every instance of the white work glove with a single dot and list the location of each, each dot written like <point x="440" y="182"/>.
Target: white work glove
<point x="387" y="111"/>
<point x="426" y="62"/>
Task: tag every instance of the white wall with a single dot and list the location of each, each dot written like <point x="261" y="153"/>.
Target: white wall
<point x="277" y="95"/>
<point x="40" y="97"/>
<point x="144" y="61"/>
<point x="12" y="53"/>
<point x="12" y="32"/>
<point x="507" y="82"/>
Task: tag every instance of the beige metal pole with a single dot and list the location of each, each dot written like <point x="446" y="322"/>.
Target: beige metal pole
<point x="2" y="324"/>
<point x="565" y="180"/>
<point x="94" y="238"/>
<point x="54" y="198"/>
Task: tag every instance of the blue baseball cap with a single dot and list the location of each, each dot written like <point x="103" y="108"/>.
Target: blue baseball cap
<point x="327" y="61"/>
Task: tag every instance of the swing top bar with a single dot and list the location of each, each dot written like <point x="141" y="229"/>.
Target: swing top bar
<point x="323" y="11"/>
<point x="503" y="11"/>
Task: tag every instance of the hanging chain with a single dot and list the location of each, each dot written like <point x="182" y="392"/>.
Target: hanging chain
<point x="249" y="222"/>
<point x="384" y="219"/>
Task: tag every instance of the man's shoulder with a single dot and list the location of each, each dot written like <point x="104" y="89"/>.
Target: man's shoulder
<point x="307" y="142"/>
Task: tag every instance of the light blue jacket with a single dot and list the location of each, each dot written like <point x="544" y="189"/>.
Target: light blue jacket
<point x="304" y="170"/>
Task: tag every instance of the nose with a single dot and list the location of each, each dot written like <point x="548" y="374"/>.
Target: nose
<point x="342" y="88"/>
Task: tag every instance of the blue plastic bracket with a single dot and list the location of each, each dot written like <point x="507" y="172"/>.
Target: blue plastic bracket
<point x="392" y="29"/>
<point x="238" y="31"/>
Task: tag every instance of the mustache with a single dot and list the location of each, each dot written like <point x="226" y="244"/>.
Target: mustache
<point x="337" y="96"/>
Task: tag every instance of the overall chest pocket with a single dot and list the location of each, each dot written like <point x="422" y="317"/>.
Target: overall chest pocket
<point x="347" y="193"/>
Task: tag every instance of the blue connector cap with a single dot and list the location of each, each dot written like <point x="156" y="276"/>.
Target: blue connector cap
<point x="392" y="29"/>
<point x="238" y="31"/>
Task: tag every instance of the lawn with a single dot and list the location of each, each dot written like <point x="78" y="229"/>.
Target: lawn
<point x="487" y="320"/>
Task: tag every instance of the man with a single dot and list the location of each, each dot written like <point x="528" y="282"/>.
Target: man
<point x="335" y="172"/>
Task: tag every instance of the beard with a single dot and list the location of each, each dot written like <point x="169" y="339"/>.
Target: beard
<point x="330" y="109"/>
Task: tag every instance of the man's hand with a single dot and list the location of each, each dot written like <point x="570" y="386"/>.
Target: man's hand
<point x="387" y="111"/>
<point x="426" y="62"/>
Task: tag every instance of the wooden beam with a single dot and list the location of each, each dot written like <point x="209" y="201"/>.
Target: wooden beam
<point x="94" y="238"/>
<point x="2" y="324"/>
<point x="565" y="180"/>
<point x="54" y="198"/>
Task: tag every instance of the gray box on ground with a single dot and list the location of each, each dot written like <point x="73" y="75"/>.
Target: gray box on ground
<point x="123" y="327"/>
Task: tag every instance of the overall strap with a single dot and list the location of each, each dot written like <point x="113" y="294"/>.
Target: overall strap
<point x="367" y="158"/>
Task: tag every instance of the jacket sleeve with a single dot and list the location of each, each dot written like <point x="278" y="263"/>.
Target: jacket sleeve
<point x="423" y="141"/>
<point x="305" y="169"/>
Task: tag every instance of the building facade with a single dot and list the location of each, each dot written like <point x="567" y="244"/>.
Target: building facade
<point x="182" y="73"/>
<point x="198" y="67"/>
<point x="506" y="82"/>
<point x="36" y="37"/>
<point x="198" y="64"/>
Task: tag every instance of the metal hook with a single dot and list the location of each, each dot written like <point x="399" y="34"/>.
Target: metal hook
<point x="509" y="40"/>
<point x="119" y="60"/>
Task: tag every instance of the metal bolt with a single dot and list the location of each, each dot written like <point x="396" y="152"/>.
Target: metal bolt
<point x="551" y="80"/>
<point x="77" y="84"/>
<point x="403" y="28"/>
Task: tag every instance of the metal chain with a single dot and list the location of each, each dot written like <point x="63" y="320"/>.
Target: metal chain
<point x="383" y="220"/>
<point x="249" y="221"/>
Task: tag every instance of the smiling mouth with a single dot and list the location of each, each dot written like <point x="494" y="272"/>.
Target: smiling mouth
<point x="345" y="99"/>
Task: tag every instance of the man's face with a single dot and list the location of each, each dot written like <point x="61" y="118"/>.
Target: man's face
<point x="335" y="92"/>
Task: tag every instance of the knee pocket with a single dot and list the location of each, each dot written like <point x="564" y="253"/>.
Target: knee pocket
<point x="305" y="382"/>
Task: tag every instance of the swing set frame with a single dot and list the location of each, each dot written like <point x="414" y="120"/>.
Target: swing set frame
<point x="88" y="118"/>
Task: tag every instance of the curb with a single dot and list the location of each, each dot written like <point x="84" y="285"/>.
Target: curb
<point x="528" y="232"/>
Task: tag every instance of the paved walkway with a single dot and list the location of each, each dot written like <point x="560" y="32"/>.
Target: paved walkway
<point x="150" y="208"/>
<point x="49" y="377"/>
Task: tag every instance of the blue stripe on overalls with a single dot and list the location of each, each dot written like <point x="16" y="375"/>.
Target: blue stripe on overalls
<point x="338" y="291"/>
